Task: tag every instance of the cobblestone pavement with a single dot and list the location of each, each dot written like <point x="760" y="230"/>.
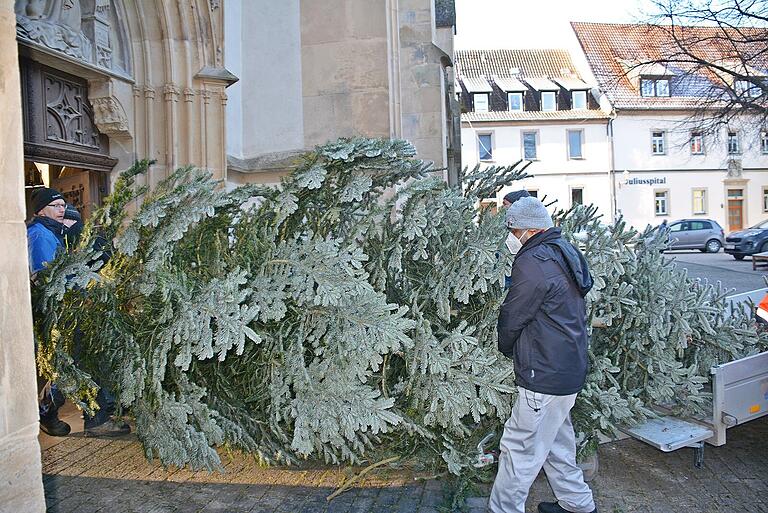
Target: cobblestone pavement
<point x="636" y="478"/>
<point x="100" y="475"/>
<point x="86" y="475"/>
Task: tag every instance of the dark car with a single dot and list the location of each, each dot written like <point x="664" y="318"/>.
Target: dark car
<point x="702" y="234"/>
<point x="748" y="242"/>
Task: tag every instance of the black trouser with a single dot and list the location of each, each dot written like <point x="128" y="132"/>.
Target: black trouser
<point x="104" y="399"/>
<point x="50" y="399"/>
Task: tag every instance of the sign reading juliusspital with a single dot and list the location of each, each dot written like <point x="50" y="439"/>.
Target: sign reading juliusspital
<point x="646" y="181"/>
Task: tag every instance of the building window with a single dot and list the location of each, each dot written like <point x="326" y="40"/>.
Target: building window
<point x="658" y="144"/>
<point x="529" y="145"/>
<point x="548" y="101"/>
<point x="765" y="199"/>
<point x="579" y="99"/>
<point x="654" y="87"/>
<point x="662" y="88"/>
<point x="515" y="101"/>
<point x="697" y="143"/>
<point x="699" y="201"/>
<point x="575" y="143"/>
<point x="734" y="145"/>
<point x="485" y="146"/>
<point x="647" y="88"/>
<point x="577" y="196"/>
<point x="661" y="203"/>
<point x="534" y="193"/>
<point x="481" y="102"/>
<point x="764" y="141"/>
<point x="746" y="88"/>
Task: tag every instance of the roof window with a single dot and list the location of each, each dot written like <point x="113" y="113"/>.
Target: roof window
<point x="654" y="87"/>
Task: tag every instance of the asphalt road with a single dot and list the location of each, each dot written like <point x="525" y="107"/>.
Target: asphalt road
<point x="721" y="267"/>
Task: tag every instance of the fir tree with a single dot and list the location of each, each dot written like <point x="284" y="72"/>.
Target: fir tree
<point x="331" y="318"/>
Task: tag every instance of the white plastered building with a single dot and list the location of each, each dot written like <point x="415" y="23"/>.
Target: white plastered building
<point x="533" y="105"/>
<point x="668" y="162"/>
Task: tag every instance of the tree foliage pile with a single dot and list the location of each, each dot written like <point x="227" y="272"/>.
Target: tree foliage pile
<point x="331" y="319"/>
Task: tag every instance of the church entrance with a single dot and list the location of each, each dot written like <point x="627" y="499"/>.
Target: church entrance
<point x="63" y="148"/>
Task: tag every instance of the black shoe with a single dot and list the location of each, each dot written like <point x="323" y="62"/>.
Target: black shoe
<point x="108" y="428"/>
<point x="553" y="507"/>
<point x="55" y="427"/>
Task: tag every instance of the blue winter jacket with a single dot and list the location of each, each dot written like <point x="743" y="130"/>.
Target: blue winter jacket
<point x="42" y="244"/>
<point x="543" y="320"/>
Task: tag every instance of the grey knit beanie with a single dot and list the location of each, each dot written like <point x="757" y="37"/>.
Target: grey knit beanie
<point x="528" y="214"/>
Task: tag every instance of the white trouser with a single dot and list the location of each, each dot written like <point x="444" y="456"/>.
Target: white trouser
<point x="539" y="433"/>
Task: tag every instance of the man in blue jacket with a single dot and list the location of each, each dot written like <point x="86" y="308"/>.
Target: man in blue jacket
<point x="45" y="235"/>
<point x="543" y="327"/>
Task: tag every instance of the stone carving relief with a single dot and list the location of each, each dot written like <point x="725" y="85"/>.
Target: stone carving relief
<point x="87" y="30"/>
<point x="68" y="114"/>
<point x="734" y="168"/>
<point x="56" y="24"/>
<point x="109" y="116"/>
<point x="171" y="92"/>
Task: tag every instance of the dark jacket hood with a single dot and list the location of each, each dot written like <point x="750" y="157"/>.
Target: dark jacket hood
<point x="572" y="261"/>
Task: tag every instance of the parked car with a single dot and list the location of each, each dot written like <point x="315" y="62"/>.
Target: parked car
<point x="748" y="242"/>
<point x="702" y="234"/>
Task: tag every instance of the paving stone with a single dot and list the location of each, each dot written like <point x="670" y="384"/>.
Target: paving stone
<point x="92" y="475"/>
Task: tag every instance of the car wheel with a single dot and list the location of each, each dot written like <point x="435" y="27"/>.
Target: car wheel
<point x="713" y="246"/>
<point x="738" y="257"/>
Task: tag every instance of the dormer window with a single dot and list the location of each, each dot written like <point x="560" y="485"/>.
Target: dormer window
<point x="481" y="102"/>
<point x="746" y="88"/>
<point x="548" y="101"/>
<point x="514" y="88"/>
<point x="579" y="100"/>
<point x="515" y="102"/>
<point x="654" y="87"/>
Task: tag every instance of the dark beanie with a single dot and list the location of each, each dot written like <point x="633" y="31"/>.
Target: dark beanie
<point x="72" y="213"/>
<point x="42" y="197"/>
<point x="516" y="195"/>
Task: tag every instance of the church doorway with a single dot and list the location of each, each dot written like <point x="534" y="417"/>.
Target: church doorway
<point x="63" y="148"/>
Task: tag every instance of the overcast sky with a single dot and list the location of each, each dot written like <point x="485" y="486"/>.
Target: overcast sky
<point x="534" y="23"/>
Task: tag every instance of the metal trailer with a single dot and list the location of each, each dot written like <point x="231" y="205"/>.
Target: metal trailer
<point x="739" y="394"/>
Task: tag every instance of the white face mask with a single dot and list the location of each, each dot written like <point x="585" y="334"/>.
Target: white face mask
<point x="513" y="244"/>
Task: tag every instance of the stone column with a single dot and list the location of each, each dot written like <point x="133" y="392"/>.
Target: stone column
<point x="21" y="486"/>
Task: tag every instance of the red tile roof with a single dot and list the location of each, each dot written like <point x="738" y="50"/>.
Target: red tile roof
<point x="612" y="50"/>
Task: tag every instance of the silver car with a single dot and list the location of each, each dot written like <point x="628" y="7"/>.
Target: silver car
<point x="702" y="234"/>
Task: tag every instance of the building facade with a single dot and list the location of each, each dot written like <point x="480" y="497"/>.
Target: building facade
<point x="106" y="82"/>
<point x="315" y="71"/>
<point x="669" y="161"/>
<point x="533" y="105"/>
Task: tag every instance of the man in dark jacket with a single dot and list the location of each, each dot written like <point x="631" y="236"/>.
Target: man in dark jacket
<point x="543" y="327"/>
<point x="73" y="223"/>
<point x="513" y="196"/>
